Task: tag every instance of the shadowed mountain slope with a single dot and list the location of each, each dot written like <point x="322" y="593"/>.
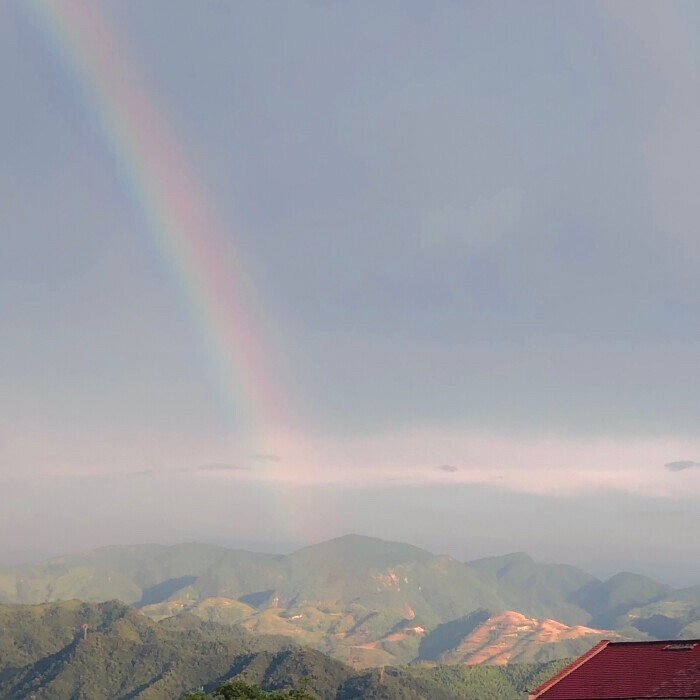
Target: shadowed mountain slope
<point x="109" y="650"/>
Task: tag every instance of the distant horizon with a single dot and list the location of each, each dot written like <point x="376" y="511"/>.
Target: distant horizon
<point x="284" y="549"/>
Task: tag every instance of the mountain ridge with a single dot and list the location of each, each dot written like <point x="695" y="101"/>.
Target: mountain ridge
<point x="365" y="601"/>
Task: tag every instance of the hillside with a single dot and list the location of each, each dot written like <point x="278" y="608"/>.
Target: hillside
<point x="420" y="682"/>
<point x="76" y="649"/>
<point x="506" y="637"/>
<point x="109" y="651"/>
<point x="365" y="601"/>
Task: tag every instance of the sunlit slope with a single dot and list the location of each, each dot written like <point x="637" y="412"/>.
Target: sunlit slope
<point x="506" y="637"/>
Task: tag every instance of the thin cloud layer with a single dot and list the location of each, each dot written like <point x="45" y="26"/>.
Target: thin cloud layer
<point x="263" y="457"/>
<point x="681" y="465"/>
<point x="222" y="468"/>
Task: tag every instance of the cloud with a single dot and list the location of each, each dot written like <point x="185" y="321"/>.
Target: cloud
<point x="221" y="468"/>
<point x="681" y="465"/>
<point x="448" y="468"/>
<point x="141" y="473"/>
<point x="263" y="457"/>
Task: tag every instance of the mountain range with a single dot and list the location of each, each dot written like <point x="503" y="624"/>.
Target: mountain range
<point x="368" y="602"/>
<point x="109" y="651"/>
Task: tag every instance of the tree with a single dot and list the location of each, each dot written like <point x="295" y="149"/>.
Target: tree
<point x="240" y="690"/>
<point x="301" y="691"/>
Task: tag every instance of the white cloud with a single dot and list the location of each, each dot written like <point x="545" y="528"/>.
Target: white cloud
<point x="548" y="465"/>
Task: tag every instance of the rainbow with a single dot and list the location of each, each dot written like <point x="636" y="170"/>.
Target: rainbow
<point x="180" y="216"/>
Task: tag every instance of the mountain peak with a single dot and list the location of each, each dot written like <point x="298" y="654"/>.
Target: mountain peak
<point x="372" y="551"/>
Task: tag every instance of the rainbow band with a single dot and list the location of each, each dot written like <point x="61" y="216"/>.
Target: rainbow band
<point x="180" y="217"/>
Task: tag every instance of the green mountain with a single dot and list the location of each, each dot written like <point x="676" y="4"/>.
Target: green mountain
<point x="544" y="590"/>
<point x="110" y="651"/>
<point x="476" y="682"/>
<point x="364" y="601"/>
<point x="130" y="573"/>
<point x="421" y="682"/>
<point x="606" y="601"/>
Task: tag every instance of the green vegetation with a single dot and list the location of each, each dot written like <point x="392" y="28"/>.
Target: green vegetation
<point x="363" y="601"/>
<point x="239" y="690"/>
<point x="509" y="682"/>
<point x="109" y="651"/>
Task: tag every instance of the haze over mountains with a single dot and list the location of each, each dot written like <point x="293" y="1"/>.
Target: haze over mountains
<point x="370" y="602"/>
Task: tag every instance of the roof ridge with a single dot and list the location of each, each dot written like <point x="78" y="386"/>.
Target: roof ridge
<point x="576" y="663"/>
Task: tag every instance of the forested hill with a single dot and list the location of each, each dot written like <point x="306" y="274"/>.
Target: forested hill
<point x="109" y="651"/>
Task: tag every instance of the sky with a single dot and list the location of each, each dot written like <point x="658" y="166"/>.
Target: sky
<point x="272" y="272"/>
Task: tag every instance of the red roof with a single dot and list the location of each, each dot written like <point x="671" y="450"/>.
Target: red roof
<point x="626" y="670"/>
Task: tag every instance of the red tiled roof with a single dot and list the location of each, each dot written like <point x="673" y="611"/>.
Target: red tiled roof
<point x="626" y="670"/>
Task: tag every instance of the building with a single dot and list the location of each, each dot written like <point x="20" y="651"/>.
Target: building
<point x="628" y="671"/>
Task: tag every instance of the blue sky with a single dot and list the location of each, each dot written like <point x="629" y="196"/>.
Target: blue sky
<point x="472" y="227"/>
